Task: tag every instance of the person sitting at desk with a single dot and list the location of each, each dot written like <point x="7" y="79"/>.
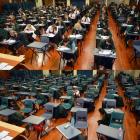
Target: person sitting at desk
<point x="59" y="22"/>
<point x="136" y="28"/>
<point x="102" y="24"/>
<point x="66" y="17"/>
<point x="77" y="12"/>
<point x="132" y="30"/>
<point x="52" y="29"/>
<point x="107" y="44"/>
<point x="13" y="35"/>
<point x="133" y="11"/>
<point x="105" y="32"/>
<point x="29" y="28"/>
<point x="78" y="26"/>
<point x="72" y="15"/>
<point x="85" y="19"/>
<point x="129" y="20"/>
<point x="76" y="92"/>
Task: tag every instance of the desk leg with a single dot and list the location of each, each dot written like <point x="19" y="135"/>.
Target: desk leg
<point x="62" y="138"/>
<point x="98" y="136"/>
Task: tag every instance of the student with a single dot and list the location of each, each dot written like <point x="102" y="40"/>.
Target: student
<point x="76" y="92"/>
<point x="105" y="32"/>
<point x="59" y="22"/>
<point x="52" y="29"/>
<point x="76" y="12"/>
<point x="13" y="35"/>
<point x="107" y="44"/>
<point x="66" y="17"/>
<point x="78" y="26"/>
<point x="29" y="28"/>
<point x="72" y="15"/>
<point x="86" y="19"/>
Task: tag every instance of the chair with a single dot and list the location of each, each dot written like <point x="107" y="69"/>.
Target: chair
<point x="29" y="106"/>
<point x="4" y="103"/>
<point x="49" y="112"/>
<point x="111" y="104"/>
<point x="41" y="99"/>
<point x="117" y="120"/>
<point x="137" y="53"/>
<point x="81" y="120"/>
<point x="70" y="93"/>
<point x="80" y="102"/>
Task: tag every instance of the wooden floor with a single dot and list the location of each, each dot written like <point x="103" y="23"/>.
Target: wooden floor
<point x="86" y="59"/>
<point x="131" y="131"/>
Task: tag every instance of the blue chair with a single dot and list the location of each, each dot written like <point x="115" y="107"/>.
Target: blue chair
<point x="81" y="120"/>
<point x="49" y="112"/>
<point x="117" y="120"/>
<point x="29" y="107"/>
<point x="136" y="44"/>
<point x="111" y="104"/>
<point x="79" y="102"/>
<point x="3" y="103"/>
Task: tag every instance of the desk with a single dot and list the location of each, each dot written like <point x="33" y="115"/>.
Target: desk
<point x="53" y="104"/>
<point x="109" y="111"/>
<point x="104" y="58"/>
<point x="77" y="36"/>
<point x="25" y="93"/>
<point x="55" y="108"/>
<point x="27" y="100"/>
<point x="7" y="112"/>
<point x="13" y="130"/>
<point x="65" y="97"/>
<point x="34" y="120"/>
<point x="11" y="60"/>
<point x="136" y="47"/>
<point x="75" y="109"/>
<point x="37" y="45"/>
<point x="62" y="50"/>
<point x="70" y="132"/>
<point x="109" y="132"/>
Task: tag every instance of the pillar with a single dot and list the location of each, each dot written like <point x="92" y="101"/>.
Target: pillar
<point x="75" y="72"/>
<point x="68" y="3"/>
<point x="94" y="72"/>
<point x="39" y="3"/>
<point x="46" y="72"/>
<point x="87" y="2"/>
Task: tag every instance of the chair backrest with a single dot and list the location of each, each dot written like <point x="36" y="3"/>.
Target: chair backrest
<point x="70" y="93"/>
<point x="80" y="102"/>
<point x="81" y="116"/>
<point x="110" y="96"/>
<point x="44" y="39"/>
<point x="49" y="108"/>
<point x="119" y="116"/>
<point x="4" y="101"/>
<point x="111" y="104"/>
<point x="29" y="104"/>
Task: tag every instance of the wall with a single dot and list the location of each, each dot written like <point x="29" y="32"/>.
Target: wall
<point x="78" y="3"/>
<point x="48" y="2"/>
<point x="2" y="2"/>
<point x="118" y="1"/>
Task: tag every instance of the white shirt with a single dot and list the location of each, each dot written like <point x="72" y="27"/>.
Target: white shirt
<point x="84" y="19"/>
<point x="72" y="15"/>
<point x="76" y="12"/>
<point x="50" y="30"/>
<point x="31" y="29"/>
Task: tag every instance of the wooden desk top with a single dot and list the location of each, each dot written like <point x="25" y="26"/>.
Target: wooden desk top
<point x="13" y="129"/>
<point x="10" y="59"/>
